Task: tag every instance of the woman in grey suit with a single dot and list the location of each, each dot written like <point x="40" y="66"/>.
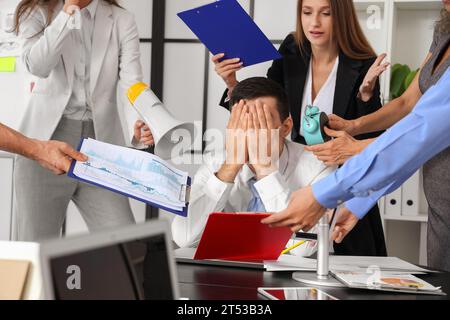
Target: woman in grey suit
<point x="85" y="54"/>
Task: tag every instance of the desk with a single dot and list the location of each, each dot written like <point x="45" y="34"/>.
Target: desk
<point x="199" y="282"/>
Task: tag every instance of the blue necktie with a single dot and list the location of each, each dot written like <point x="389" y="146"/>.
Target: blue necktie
<point x="256" y="204"/>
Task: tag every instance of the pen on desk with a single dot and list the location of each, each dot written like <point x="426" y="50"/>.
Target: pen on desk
<point x="298" y="244"/>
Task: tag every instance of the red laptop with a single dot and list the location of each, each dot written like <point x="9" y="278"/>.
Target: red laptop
<point x="241" y="236"/>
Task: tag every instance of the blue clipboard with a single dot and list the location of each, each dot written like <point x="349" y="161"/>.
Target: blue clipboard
<point x="70" y="174"/>
<point x="225" y="27"/>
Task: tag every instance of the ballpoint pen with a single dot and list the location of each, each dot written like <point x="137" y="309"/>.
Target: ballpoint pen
<point x="298" y="244"/>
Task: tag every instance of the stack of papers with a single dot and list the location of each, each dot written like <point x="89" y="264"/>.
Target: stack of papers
<point x="385" y="281"/>
<point x="133" y="173"/>
<point x="345" y="263"/>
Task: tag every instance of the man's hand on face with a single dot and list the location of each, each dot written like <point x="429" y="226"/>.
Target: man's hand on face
<point x="236" y="149"/>
<point x="262" y="140"/>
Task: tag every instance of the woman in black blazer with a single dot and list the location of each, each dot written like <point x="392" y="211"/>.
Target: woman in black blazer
<point x="357" y="89"/>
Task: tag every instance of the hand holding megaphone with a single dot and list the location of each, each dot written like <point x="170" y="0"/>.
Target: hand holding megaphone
<point x="143" y="134"/>
<point x="161" y="124"/>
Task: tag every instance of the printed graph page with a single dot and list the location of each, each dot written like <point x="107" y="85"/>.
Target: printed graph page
<point x="133" y="172"/>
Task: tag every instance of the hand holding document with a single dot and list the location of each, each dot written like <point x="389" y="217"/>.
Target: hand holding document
<point x="136" y="174"/>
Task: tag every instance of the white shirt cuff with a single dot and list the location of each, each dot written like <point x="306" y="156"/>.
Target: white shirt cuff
<point x="216" y="188"/>
<point x="271" y="186"/>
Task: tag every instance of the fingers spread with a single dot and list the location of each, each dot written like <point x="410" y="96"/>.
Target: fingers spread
<point x="380" y="59"/>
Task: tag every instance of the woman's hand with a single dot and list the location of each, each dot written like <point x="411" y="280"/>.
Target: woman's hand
<point x="345" y="222"/>
<point x="70" y="5"/>
<point x="339" y="124"/>
<point x="143" y="134"/>
<point x="368" y="84"/>
<point x="338" y="150"/>
<point x="227" y="69"/>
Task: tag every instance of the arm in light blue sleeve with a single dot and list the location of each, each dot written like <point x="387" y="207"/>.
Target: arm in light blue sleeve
<point x="359" y="206"/>
<point x="394" y="156"/>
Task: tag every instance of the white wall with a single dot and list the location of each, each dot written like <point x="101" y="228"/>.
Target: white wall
<point x="14" y="87"/>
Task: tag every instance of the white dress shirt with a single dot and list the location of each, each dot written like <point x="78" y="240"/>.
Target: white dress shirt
<point x="325" y="98"/>
<point x="80" y="103"/>
<point x="297" y="168"/>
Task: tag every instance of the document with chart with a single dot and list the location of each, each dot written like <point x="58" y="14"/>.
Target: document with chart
<point x="133" y="173"/>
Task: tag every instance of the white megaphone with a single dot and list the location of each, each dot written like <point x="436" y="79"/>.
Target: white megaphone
<point x="161" y="122"/>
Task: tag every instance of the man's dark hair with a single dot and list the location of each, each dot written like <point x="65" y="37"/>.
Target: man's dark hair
<point x="258" y="87"/>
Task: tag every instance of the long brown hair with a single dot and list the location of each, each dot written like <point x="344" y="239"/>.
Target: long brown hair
<point x="346" y="29"/>
<point x="26" y="7"/>
<point x="443" y="25"/>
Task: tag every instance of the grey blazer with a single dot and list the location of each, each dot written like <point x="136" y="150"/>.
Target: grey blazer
<point x="115" y="66"/>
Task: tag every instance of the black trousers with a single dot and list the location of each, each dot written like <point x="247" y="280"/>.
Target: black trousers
<point x="366" y="239"/>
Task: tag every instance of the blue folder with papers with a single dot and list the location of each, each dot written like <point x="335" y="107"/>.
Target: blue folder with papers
<point x="225" y="27"/>
<point x="134" y="174"/>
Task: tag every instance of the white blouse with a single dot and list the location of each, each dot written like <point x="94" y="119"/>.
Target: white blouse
<point x="325" y="98"/>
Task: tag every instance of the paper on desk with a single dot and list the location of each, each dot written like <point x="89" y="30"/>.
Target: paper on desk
<point x="384" y="263"/>
<point x="345" y="263"/>
<point x="387" y="281"/>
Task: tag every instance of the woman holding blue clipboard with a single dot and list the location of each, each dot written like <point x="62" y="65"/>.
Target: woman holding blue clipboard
<point x="327" y="63"/>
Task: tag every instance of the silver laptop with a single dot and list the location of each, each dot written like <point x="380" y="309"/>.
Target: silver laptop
<point x="130" y="263"/>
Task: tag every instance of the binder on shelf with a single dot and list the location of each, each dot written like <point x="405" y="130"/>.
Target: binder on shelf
<point x="381" y="205"/>
<point x="393" y="203"/>
<point x="413" y="196"/>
